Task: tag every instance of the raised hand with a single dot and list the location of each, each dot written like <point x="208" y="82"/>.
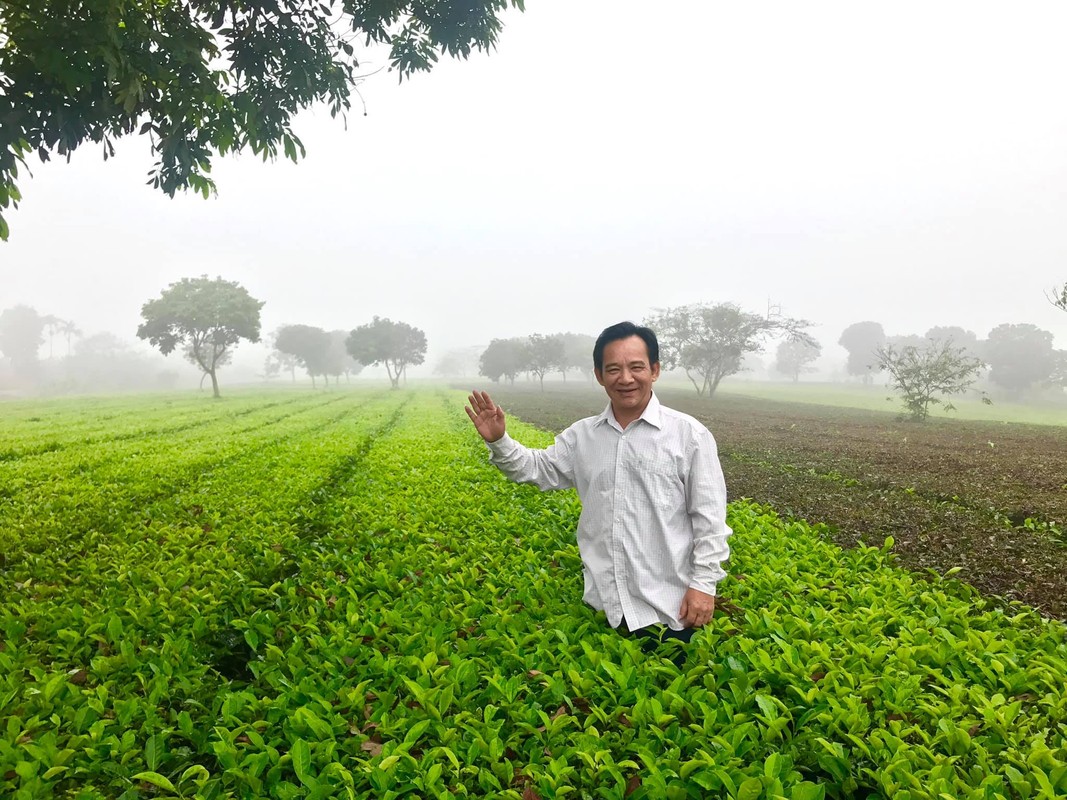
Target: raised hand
<point x="486" y="415"/>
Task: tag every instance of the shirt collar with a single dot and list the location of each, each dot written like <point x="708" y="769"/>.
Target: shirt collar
<point x="652" y="414"/>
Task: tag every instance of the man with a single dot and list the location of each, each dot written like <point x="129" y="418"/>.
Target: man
<point x="652" y="533"/>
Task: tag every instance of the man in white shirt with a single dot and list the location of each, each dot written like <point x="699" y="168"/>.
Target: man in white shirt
<point x="653" y="532"/>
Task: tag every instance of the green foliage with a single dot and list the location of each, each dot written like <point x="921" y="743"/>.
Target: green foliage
<point x="504" y="358"/>
<point x="395" y="344"/>
<point x="710" y="342"/>
<point x="922" y="374"/>
<point x="202" y="78"/>
<point x="306" y="595"/>
<point x="544" y="354"/>
<point x="207" y="318"/>
<point x="308" y="345"/>
<point x="1058" y="296"/>
<point x="792" y="357"/>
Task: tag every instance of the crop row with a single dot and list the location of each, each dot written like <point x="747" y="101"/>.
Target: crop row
<point x="355" y="603"/>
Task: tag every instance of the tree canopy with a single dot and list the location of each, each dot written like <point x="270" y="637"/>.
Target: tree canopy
<point x="309" y="346"/>
<point x="862" y="340"/>
<point x="206" y="317"/>
<point x="922" y="375"/>
<point x="792" y="357"/>
<point x="394" y="344"/>
<point x="202" y="77"/>
<point x="710" y="342"/>
<point x="504" y="358"/>
<point x="21" y="329"/>
<point x="544" y="354"/>
<point x="1019" y="356"/>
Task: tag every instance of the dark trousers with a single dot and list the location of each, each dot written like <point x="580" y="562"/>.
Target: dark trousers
<point x="653" y="635"/>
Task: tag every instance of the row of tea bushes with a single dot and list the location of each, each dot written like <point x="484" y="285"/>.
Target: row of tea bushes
<point x="361" y="606"/>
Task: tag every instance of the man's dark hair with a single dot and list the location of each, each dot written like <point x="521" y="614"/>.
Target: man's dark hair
<point x="624" y="330"/>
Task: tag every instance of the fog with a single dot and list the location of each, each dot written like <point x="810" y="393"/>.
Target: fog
<point x="901" y="162"/>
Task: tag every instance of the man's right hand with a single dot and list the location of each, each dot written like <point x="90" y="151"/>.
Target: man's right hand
<point x="486" y="415"/>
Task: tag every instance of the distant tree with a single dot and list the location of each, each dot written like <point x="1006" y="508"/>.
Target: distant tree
<point x="202" y="77"/>
<point x="960" y="337"/>
<point x="272" y="367"/>
<point x="394" y="344"/>
<point x="1019" y="356"/>
<point x="544" y="354"/>
<point x="710" y="342"/>
<point x="922" y="375"/>
<point x="21" y="329"/>
<point x="902" y="340"/>
<point x="793" y="357"/>
<point x="308" y="345"/>
<point x="69" y="330"/>
<point x="503" y="358"/>
<point x="101" y="345"/>
<point x="1058" y="297"/>
<point x="862" y="340"/>
<point x="208" y="316"/>
<point x="1058" y="375"/>
<point x="338" y="360"/>
<point x="52" y="326"/>
<point x="578" y="353"/>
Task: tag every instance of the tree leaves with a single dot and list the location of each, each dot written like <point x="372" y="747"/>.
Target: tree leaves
<point x="210" y="79"/>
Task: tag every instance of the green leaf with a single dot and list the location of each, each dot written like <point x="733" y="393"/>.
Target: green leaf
<point x="750" y="789"/>
<point x="301" y="754"/>
<point x="156" y="779"/>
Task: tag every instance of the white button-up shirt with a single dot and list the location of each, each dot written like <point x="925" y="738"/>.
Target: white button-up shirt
<point x="653" y="520"/>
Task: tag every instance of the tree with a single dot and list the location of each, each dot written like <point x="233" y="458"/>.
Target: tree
<point x="957" y="335"/>
<point x="922" y="374"/>
<point x="21" y="329"/>
<point x="503" y="358"/>
<point x="578" y="353"/>
<point x="709" y="342"/>
<point x="52" y="326"/>
<point x="544" y="354"/>
<point x="202" y="78"/>
<point x="189" y="354"/>
<point x="69" y="330"/>
<point x="395" y="344"/>
<point x="208" y="317"/>
<point x="338" y="360"/>
<point x="793" y="357"/>
<point x="1019" y="356"/>
<point x="1058" y="297"/>
<point x="862" y="340"/>
<point x="309" y="346"/>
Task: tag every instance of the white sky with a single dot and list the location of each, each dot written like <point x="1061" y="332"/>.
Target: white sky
<point x="903" y="162"/>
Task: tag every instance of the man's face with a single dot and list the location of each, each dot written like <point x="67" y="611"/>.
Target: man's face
<point x="627" y="376"/>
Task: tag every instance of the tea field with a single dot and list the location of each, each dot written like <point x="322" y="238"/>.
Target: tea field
<point x="333" y="594"/>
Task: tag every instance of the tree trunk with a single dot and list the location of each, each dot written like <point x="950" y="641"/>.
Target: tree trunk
<point x="215" y="384"/>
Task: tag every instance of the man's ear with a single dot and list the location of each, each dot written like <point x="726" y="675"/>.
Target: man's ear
<point x="655" y="371"/>
<point x="599" y="376"/>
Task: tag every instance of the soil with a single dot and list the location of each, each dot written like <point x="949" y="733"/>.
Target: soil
<point x="989" y="498"/>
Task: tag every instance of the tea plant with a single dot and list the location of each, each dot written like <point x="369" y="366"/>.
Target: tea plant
<point x="336" y="595"/>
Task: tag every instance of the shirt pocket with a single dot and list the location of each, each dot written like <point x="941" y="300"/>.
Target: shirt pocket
<point x="656" y="478"/>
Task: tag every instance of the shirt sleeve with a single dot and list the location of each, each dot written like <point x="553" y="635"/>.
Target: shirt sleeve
<point x="706" y="504"/>
<point x="548" y="469"/>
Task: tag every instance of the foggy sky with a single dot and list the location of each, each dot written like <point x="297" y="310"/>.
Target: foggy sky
<point x="900" y="162"/>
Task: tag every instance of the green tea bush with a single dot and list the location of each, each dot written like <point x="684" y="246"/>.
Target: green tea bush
<point x="337" y="596"/>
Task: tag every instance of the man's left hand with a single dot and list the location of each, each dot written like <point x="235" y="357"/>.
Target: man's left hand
<point x="697" y="608"/>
